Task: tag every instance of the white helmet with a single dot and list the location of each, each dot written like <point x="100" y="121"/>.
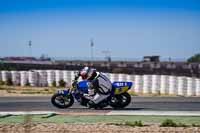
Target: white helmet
<point x="87" y="73"/>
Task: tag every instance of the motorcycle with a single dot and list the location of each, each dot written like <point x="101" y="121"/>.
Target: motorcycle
<point x="119" y="97"/>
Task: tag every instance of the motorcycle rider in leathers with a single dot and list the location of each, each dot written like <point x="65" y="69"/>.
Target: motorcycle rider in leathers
<point x="99" y="85"/>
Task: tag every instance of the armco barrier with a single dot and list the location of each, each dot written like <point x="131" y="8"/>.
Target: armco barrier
<point x="142" y="84"/>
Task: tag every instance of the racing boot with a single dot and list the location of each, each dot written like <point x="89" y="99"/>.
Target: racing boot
<point x="91" y="104"/>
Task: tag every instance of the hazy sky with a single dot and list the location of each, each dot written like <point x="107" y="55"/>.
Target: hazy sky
<point x="128" y="28"/>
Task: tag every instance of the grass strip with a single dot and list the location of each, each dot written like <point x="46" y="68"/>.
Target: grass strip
<point x="128" y="120"/>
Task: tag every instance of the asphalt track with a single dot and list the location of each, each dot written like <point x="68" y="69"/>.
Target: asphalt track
<point x="138" y="103"/>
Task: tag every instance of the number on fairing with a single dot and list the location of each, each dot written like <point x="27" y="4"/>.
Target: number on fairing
<point x="60" y="91"/>
<point x="121" y="84"/>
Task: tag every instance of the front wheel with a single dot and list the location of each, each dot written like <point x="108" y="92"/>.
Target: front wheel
<point x="62" y="101"/>
<point x="120" y="101"/>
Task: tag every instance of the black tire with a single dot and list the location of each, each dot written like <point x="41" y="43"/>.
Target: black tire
<point x="123" y="100"/>
<point x="59" y="100"/>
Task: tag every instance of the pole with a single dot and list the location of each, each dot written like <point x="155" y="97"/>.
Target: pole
<point x="30" y="48"/>
<point x="92" y="50"/>
<point x="107" y="55"/>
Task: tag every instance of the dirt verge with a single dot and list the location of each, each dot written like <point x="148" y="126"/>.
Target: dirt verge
<point x="91" y="128"/>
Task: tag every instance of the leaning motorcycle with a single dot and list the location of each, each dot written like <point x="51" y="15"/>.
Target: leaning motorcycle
<point x="119" y="97"/>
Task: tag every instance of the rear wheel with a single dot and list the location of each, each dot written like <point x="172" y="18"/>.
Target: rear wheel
<point x="62" y="101"/>
<point x="120" y="101"/>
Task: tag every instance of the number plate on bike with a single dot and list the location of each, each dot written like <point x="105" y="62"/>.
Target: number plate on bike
<point x="64" y="92"/>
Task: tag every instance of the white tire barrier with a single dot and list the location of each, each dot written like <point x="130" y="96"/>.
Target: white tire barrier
<point x="122" y="77"/>
<point x="72" y="76"/>
<point x="138" y="84"/>
<point x="155" y="88"/>
<point x="5" y="75"/>
<point x="114" y="77"/>
<point x="15" y="77"/>
<point x="42" y="78"/>
<point x="146" y="84"/>
<point x="190" y="86"/>
<point x="164" y="84"/>
<point x="58" y="76"/>
<point x="24" y="78"/>
<point x="33" y="78"/>
<point x="68" y="76"/>
<point x="142" y="84"/>
<point x="172" y="85"/>
<point x="197" y="82"/>
<point x="50" y="77"/>
<point x="131" y="78"/>
<point x="182" y="86"/>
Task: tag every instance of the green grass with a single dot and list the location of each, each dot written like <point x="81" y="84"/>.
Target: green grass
<point x="133" y="124"/>
<point x="127" y="120"/>
<point x="128" y="123"/>
<point x="171" y="123"/>
<point x="12" y="119"/>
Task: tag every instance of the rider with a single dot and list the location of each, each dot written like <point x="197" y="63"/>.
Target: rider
<point x="99" y="85"/>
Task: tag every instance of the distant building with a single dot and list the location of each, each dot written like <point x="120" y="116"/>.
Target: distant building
<point x="25" y="59"/>
<point x="151" y="58"/>
<point x="19" y="58"/>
